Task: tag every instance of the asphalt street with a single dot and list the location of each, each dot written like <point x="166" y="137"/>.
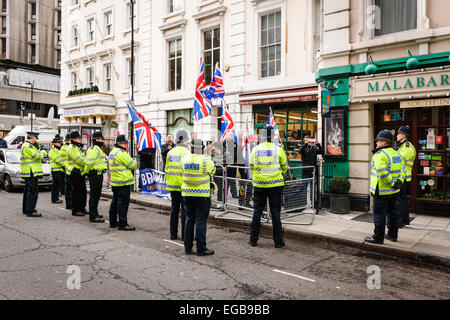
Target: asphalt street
<point x="37" y="253"/>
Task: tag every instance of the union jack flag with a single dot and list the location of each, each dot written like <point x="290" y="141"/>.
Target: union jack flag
<point x="216" y="88"/>
<point x="227" y="123"/>
<point x="147" y="135"/>
<point x="245" y="144"/>
<point x="271" y="122"/>
<point x="202" y="98"/>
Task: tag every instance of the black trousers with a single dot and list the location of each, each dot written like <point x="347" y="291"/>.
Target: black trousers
<point x="57" y="185"/>
<point x="231" y="183"/>
<point x="95" y="186"/>
<point x="404" y="209"/>
<point x="197" y="211"/>
<point x="260" y="201"/>
<point x="177" y="203"/>
<point x="30" y="195"/>
<point x="68" y="191"/>
<point x="79" y="192"/>
<point x="386" y="207"/>
<point x="247" y="189"/>
<point x="119" y="205"/>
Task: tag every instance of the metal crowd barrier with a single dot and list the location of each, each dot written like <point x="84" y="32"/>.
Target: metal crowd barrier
<point x="295" y="200"/>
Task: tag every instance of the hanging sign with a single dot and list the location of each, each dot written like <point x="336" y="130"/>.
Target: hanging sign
<point x="326" y="104"/>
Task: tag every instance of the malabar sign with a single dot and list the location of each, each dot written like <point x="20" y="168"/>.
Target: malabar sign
<point x="434" y="82"/>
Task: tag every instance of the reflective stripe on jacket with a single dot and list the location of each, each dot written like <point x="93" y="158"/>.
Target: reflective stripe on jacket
<point x="56" y="164"/>
<point x="408" y="152"/>
<point x="174" y="171"/>
<point x="63" y="153"/>
<point x="387" y="167"/>
<point x="75" y="159"/>
<point x="268" y="163"/>
<point x="121" y="167"/>
<point x="95" y="160"/>
<point x="31" y="160"/>
<point x="197" y="170"/>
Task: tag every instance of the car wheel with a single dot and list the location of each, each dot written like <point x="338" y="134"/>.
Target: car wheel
<point x="8" y="184"/>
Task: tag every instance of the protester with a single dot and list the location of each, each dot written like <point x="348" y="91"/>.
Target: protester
<point x="3" y="143"/>
<point x="169" y="145"/>
<point x="309" y="151"/>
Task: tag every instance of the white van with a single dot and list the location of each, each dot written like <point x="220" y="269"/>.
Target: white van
<point x="18" y="136"/>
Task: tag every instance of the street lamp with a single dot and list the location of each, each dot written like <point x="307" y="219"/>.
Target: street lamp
<point x="31" y="83"/>
<point x="132" y="75"/>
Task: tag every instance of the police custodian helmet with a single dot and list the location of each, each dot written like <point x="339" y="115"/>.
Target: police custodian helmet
<point x="385" y="135"/>
<point x="406" y="130"/>
<point x="182" y="136"/>
<point x="267" y="133"/>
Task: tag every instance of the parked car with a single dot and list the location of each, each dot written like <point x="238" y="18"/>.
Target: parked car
<point x="10" y="170"/>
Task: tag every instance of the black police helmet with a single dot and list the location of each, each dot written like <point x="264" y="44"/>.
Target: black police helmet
<point x="67" y="137"/>
<point x="74" y="135"/>
<point x="182" y="136"/>
<point x="97" y="135"/>
<point x="121" y="139"/>
<point x="385" y="135"/>
<point x="32" y="134"/>
<point x="267" y="133"/>
<point x="406" y="130"/>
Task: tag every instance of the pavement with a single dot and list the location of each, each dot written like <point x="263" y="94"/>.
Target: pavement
<point x="426" y="239"/>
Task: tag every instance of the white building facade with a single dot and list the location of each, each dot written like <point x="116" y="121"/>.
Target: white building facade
<point x="266" y="50"/>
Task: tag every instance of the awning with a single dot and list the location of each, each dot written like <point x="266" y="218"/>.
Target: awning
<point x="292" y="95"/>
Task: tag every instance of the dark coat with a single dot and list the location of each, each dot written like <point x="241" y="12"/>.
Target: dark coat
<point x="147" y="158"/>
<point x="309" y="155"/>
<point x="3" y="143"/>
<point x="165" y="150"/>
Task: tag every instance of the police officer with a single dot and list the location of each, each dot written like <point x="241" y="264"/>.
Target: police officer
<point x="95" y="168"/>
<point x="197" y="171"/>
<point x="268" y="163"/>
<point x="30" y="170"/>
<point x="388" y="175"/>
<point x="121" y="167"/>
<point x="57" y="169"/>
<point x="174" y="180"/>
<point x="75" y="169"/>
<point x="408" y="152"/>
<point x="67" y="184"/>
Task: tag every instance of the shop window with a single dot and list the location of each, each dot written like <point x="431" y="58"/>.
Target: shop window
<point x="395" y="16"/>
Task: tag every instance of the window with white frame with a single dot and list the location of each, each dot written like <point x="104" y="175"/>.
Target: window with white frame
<point x="75" y="2"/>
<point x="174" y="6"/>
<point x="3" y="46"/>
<point x="58" y="38"/>
<point x="33" y="31"/>
<point x="395" y="16"/>
<point x="74" y="36"/>
<point x="175" y="64"/>
<point x="211" y="52"/>
<point x="33" y="11"/>
<point x="129" y="72"/>
<point x="90" y="77"/>
<point x="270" y="44"/>
<point x="108" y="23"/>
<point x="58" y="56"/>
<point x="74" y="81"/>
<point x="107" y="85"/>
<point x="33" y="52"/>
<point x="90" y="28"/>
<point x="129" y="15"/>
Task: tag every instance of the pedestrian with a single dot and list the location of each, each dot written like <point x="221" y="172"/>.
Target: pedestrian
<point x="75" y="168"/>
<point x="268" y="163"/>
<point x="95" y="168"/>
<point x="67" y="184"/>
<point x="3" y="143"/>
<point x="121" y="167"/>
<point x="165" y="148"/>
<point x="388" y="175"/>
<point x="193" y="135"/>
<point x="209" y="148"/>
<point x="30" y="170"/>
<point x="406" y="149"/>
<point x="217" y="158"/>
<point x="309" y="151"/>
<point x="174" y="180"/>
<point x="57" y="169"/>
<point x="196" y="191"/>
<point x="230" y="160"/>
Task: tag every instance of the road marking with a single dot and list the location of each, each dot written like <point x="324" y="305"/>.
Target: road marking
<point x="293" y="275"/>
<point x="178" y="244"/>
<point x="106" y="221"/>
<point x="62" y="208"/>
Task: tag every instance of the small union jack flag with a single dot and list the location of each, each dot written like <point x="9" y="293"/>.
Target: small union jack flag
<point x="271" y="122"/>
<point x="216" y="88"/>
<point x="147" y="135"/>
<point x="227" y="123"/>
<point x="202" y="98"/>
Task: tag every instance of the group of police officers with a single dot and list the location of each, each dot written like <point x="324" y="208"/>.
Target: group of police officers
<point x="188" y="173"/>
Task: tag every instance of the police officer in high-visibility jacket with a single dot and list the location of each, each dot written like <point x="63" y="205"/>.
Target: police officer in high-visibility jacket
<point x="95" y="168"/>
<point x="121" y="166"/>
<point x="75" y="169"/>
<point x="57" y="169"/>
<point x="174" y="180"/>
<point x="65" y="161"/>
<point x="30" y="170"/>
<point x="387" y="177"/>
<point x="268" y="163"/>
<point x="198" y="169"/>
<point x="405" y="147"/>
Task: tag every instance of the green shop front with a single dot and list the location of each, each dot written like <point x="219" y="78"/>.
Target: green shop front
<point x="388" y="94"/>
